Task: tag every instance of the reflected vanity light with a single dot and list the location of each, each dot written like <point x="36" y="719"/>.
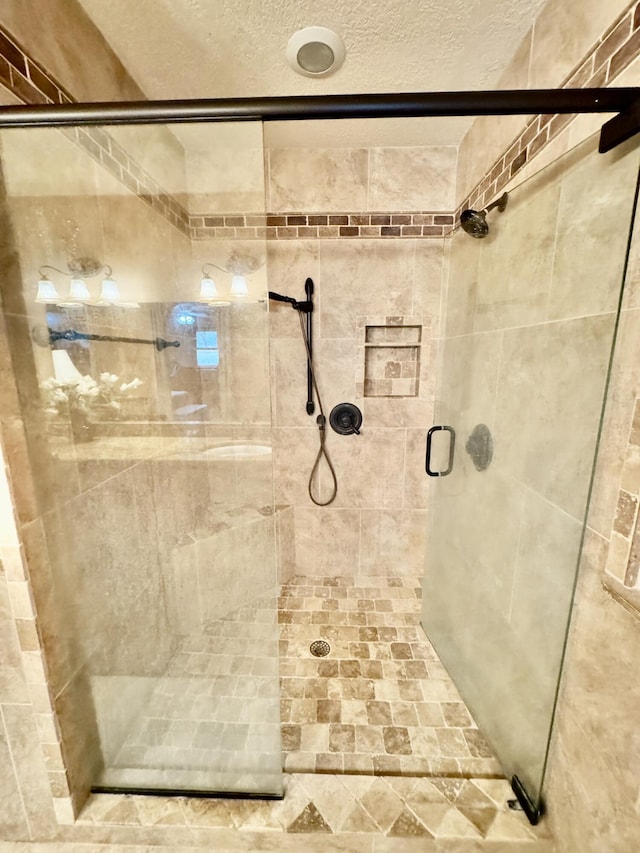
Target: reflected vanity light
<point x="78" y="290"/>
<point x="208" y="288"/>
<point x="109" y="291"/>
<point x="47" y="292"/>
<point x="239" y="287"/>
<point x="79" y="269"/>
<point x="239" y="266"/>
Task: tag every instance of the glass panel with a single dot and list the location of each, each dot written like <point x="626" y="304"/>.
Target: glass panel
<point x="148" y="418"/>
<point x="531" y="316"/>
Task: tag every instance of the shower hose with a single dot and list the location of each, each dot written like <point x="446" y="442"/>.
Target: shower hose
<point x="322" y="422"/>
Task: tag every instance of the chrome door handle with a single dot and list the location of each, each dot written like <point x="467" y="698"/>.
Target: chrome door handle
<point x="452" y="446"/>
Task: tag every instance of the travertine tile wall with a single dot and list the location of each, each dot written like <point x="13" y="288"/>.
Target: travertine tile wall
<point x="26" y="801"/>
<point x="377" y="524"/>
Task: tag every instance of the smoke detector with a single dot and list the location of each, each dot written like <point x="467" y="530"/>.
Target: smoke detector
<point x="315" y="52"/>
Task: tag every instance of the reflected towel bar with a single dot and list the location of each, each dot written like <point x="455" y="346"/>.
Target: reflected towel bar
<point x="44" y="338"/>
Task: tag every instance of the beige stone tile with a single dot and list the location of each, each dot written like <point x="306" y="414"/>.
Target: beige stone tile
<point x="380" y="454"/>
<point x="228" y="176"/>
<point x="622" y="392"/>
<point x="497" y="790"/>
<point x="407" y="825"/>
<point x="574" y="757"/>
<point x="412" y="178"/>
<point x="20" y="599"/>
<point x="456" y="825"/>
<point x="582" y="348"/>
<point x="490" y="137"/>
<point x="543" y="587"/>
<point x="309" y="820"/>
<point x="327" y="540"/>
<point x="289" y="264"/>
<point x="462" y="284"/>
<point x="596" y="193"/>
<point x="12" y="814"/>
<point x="380" y="275"/>
<point x="554" y="150"/>
<point x="335" y="803"/>
<point x="416" y="483"/>
<point x="343" y="185"/>
<point x="502" y="299"/>
<point x="573" y="761"/>
<point x="428" y="280"/>
<point x="509" y="827"/>
<point x="32" y="777"/>
<point x="393" y="540"/>
<point x="382" y="804"/>
<point x="294" y="454"/>
<point x="406" y="845"/>
<point x="254" y="815"/>
<point x="12" y="680"/>
<point x="561" y="39"/>
<point x="12" y="562"/>
<point x="315" y="738"/>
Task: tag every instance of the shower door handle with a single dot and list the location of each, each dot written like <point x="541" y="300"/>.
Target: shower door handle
<point x="452" y="447"/>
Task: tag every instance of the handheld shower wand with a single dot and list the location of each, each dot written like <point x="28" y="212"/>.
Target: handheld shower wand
<point x="306" y="308"/>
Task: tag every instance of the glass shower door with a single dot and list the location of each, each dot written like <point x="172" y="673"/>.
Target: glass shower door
<point x="137" y="314"/>
<point x="531" y="317"/>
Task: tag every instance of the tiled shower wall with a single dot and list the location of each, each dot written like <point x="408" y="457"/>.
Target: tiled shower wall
<point x="582" y="782"/>
<point x="377" y="524"/>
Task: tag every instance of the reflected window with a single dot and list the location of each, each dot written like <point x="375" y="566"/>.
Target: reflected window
<point x="207" y="352"/>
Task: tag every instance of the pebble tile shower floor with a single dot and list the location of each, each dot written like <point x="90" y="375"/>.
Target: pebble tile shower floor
<point x="381" y="702"/>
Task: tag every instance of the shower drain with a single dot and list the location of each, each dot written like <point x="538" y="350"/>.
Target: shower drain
<point x="319" y="648"/>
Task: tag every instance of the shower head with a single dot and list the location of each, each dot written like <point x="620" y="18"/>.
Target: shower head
<point x="474" y="222"/>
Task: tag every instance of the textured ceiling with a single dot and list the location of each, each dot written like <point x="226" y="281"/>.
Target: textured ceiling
<point x="236" y="48"/>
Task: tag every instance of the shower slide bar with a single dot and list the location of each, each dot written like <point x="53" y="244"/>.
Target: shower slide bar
<point x="624" y="101"/>
<point x="305" y="308"/>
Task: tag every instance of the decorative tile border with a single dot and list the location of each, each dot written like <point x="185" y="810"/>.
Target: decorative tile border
<point x="453" y="811"/>
<point x="31" y="83"/>
<point x="615" y="50"/>
<point x="623" y="558"/>
<point x="104" y="149"/>
<point x="25" y="77"/>
<point x="325" y="226"/>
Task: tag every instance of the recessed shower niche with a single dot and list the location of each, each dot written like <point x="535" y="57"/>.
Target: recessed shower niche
<point x="392" y="358"/>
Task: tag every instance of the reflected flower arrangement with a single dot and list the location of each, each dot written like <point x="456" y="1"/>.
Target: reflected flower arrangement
<point x="86" y="393"/>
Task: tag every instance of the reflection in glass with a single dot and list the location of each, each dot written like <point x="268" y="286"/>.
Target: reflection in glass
<point x="159" y="520"/>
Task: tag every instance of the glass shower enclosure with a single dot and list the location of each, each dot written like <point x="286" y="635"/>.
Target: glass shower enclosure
<point x="137" y="318"/>
<point x="531" y="318"/>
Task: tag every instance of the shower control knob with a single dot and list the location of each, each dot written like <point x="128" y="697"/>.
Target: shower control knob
<point x="346" y="419"/>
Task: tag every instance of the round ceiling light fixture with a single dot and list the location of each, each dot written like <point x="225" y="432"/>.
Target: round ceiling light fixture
<point x="315" y="52"/>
